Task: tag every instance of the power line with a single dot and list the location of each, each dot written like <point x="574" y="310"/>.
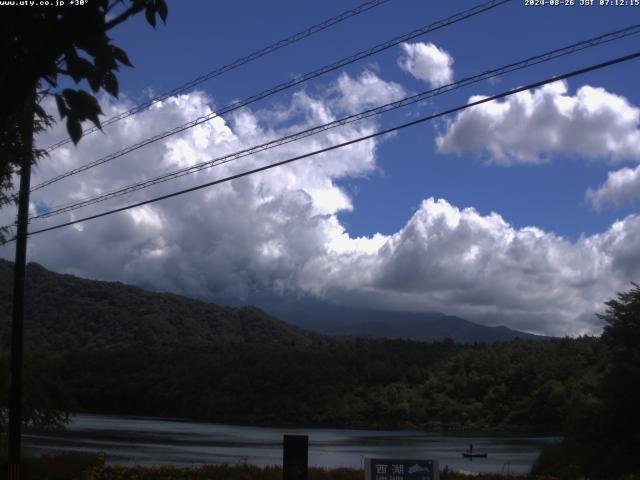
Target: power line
<point x="534" y="60"/>
<point x="351" y="142"/>
<point x="231" y="66"/>
<point x="281" y="87"/>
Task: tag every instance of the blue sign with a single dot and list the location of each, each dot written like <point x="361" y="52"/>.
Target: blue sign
<point x="394" y="469"/>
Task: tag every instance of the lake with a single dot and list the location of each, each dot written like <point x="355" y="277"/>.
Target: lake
<point x="157" y="441"/>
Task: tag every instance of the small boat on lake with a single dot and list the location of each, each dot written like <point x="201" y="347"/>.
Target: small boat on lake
<point x="474" y="455"/>
<point x="470" y="454"/>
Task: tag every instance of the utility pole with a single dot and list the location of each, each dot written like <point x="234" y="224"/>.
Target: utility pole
<point x="25" y="131"/>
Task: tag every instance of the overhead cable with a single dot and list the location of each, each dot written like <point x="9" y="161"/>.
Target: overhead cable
<point x="279" y="88"/>
<point x="228" y="67"/>
<point x="528" y="62"/>
<point x="421" y="120"/>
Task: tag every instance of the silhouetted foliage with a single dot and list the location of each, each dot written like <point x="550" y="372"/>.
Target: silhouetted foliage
<point x="603" y="438"/>
<point x="40" y="44"/>
<point x="113" y="348"/>
<point x="622" y="378"/>
<point x="64" y="312"/>
<point x="517" y="385"/>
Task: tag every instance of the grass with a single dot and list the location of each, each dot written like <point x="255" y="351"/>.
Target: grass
<point x="75" y="466"/>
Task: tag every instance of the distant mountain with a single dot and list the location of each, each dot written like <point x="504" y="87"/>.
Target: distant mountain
<point x="64" y="312"/>
<point x="338" y="320"/>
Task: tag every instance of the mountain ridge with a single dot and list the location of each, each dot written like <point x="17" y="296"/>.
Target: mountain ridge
<point x="418" y="326"/>
<point x="71" y="312"/>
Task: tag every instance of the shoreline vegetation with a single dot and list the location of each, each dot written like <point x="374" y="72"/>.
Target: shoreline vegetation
<point x="261" y="373"/>
<point x="508" y="387"/>
<point x="73" y="466"/>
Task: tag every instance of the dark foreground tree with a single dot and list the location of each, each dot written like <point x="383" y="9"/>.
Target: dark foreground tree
<point x="620" y="421"/>
<point x="603" y="441"/>
<point x="38" y="45"/>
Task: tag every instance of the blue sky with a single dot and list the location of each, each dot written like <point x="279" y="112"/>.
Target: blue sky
<point x="199" y="36"/>
<point x="494" y="224"/>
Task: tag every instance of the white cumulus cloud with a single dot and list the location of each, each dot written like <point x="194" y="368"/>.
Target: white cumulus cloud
<point x="480" y="267"/>
<point x="279" y="231"/>
<point x="531" y="126"/>
<point x="427" y="62"/>
<point x="366" y="91"/>
<point x="221" y="242"/>
<point x="621" y="186"/>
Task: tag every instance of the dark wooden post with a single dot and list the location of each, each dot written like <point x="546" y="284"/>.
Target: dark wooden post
<point x="25" y="129"/>
<point x="295" y="457"/>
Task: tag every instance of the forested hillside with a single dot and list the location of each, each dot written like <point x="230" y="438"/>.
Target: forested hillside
<point x="348" y="382"/>
<point x="112" y="348"/>
<point x="64" y="312"/>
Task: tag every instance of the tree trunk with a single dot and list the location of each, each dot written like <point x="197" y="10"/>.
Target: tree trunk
<point x="17" y="322"/>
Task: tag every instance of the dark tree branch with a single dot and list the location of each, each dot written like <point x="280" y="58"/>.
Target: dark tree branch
<point x="120" y="18"/>
<point x="113" y="5"/>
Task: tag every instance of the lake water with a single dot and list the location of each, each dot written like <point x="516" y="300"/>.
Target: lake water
<point x="156" y="441"/>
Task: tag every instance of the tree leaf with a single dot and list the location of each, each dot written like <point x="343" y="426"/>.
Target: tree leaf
<point x="121" y="56"/>
<point x="161" y="8"/>
<point x="94" y="82"/>
<point x="39" y="111"/>
<point x="104" y="58"/>
<point x="150" y="14"/>
<point x="110" y="83"/>
<point x="71" y="60"/>
<point x="91" y="43"/>
<point x="74" y="129"/>
<point x="138" y="5"/>
<point x="83" y="106"/>
<point x="78" y="67"/>
<point x="62" y="107"/>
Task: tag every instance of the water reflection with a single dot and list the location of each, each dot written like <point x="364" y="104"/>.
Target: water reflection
<point x="157" y="441"/>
